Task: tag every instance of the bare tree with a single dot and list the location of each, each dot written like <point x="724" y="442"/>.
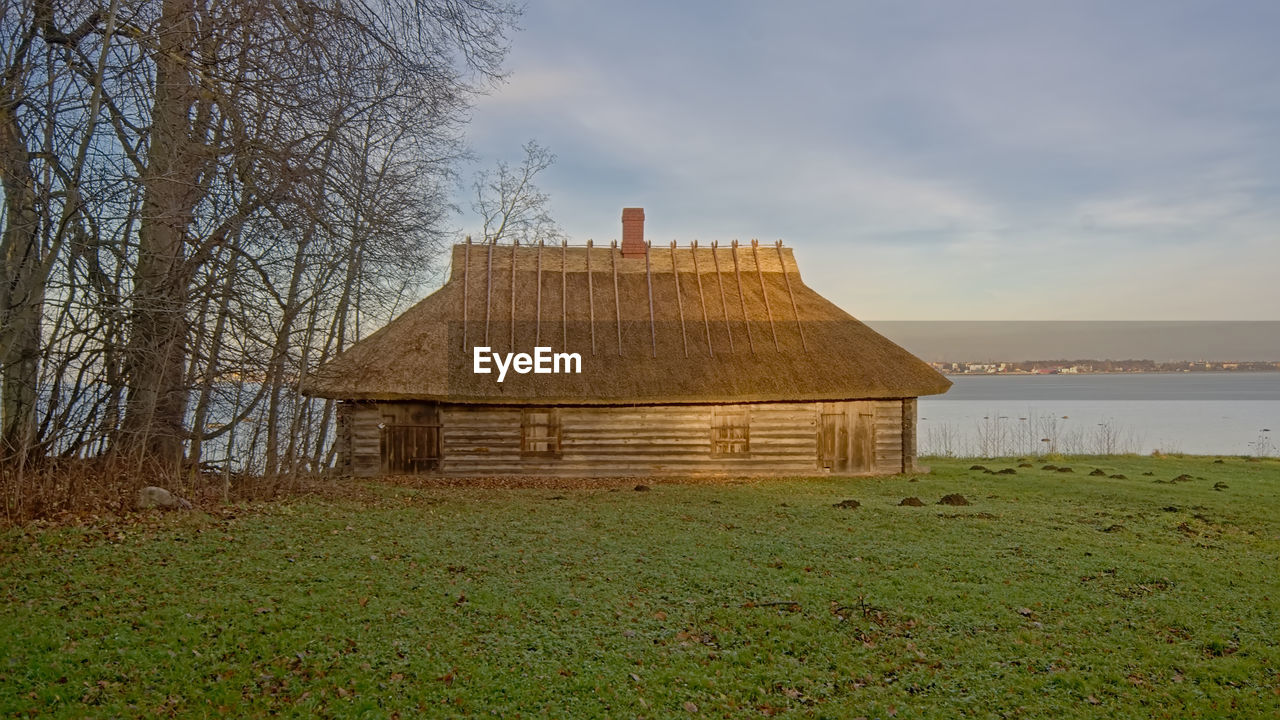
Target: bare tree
<point x="509" y="202"/>
<point x="204" y="200"/>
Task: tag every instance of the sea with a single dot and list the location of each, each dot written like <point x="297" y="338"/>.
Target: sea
<point x="1205" y="413"/>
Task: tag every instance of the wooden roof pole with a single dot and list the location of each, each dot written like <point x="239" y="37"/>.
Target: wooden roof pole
<point x="488" y="291"/>
<point x="648" y="279"/>
<point x="702" y="300"/>
<point x="617" y="304"/>
<point x="675" y="273"/>
<point x="737" y="275"/>
<point x="787" y="276"/>
<point x="724" y="302"/>
<point x="564" y="292"/>
<point x="537" y="323"/>
<point x="591" y="300"/>
<point x="466" y="294"/>
<point x="755" y="255"/>
<point x="514" y="245"/>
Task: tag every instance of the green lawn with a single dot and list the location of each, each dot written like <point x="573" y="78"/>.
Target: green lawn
<point x="1052" y="594"/>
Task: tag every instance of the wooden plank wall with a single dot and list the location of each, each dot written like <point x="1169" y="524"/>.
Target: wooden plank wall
<point x="909" y="435"/>
<point x="363" y="453"/>
<point x="673" y="440"/>
<point x="888" y="437"/>
<point x="660" y="440"/>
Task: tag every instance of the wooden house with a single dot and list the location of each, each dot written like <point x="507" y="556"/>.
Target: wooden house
<point x="694" y="360"/>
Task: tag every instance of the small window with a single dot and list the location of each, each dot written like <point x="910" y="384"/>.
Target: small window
<point x="730" y="432"/>
<point x="540" y="433"/>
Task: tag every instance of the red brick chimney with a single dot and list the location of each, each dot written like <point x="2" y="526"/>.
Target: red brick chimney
<point x="633" y="233"/>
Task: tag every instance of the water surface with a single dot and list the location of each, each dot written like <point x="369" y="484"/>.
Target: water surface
<point x="1203" y="413"/>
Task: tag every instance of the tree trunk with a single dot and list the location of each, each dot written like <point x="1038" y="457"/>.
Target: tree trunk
<point x="21" y="293"/>
<point x="154" y="422"/>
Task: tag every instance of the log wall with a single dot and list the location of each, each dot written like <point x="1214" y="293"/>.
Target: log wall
<point x="649" y="440"/>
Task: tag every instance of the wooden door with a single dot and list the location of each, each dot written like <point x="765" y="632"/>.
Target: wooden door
<point x="833" y="442"/>
<point x="862" y="455"/>
<point x="410" y="439"/>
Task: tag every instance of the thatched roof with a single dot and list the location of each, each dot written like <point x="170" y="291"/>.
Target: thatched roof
<point x="682" y="325"/>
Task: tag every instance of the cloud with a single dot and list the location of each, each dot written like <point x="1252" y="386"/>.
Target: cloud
<point x="1077" y="160"/>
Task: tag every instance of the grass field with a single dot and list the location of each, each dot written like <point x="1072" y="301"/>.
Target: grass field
<point x="1052" y="594"/>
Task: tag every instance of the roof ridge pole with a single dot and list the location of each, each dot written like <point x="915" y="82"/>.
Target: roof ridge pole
<point x="724" y="302"/>
<point x="514" y="244"/>
<point x="591" y="299"/>
<point x="764" y="292"/>
<point x="537" y="323"/>
<point x="787" y="277"/>
<point x="466" y="288"/>
<point x="675" y="273"/>
<point x="648" y="279"/>
<point x="742" y="298"/>
<point x="564" y="292"/>
<point x="702" y="300"/>
<point x="617" y="303"/>
<point x="488" y="291"/>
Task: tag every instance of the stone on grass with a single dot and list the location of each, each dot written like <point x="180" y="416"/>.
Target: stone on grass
<point x="157" y="497"/>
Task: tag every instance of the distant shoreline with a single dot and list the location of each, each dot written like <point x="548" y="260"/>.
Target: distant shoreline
<point x="1028" y="373"/>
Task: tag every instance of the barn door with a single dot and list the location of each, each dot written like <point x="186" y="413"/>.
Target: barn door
<point x="862" y="454"/>
<point x="834" y="442"/>
<point x="411" y="440"/>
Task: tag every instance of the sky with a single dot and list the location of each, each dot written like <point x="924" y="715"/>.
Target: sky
<point x="1011" y="160"/>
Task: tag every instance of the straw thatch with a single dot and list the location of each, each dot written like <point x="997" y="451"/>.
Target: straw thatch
<point x="684" y="325"/>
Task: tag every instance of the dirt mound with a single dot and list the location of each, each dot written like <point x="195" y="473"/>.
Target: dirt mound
<point x="848" y="504"/>
<point x="1006" y="471"/>
<point x="911" y="502"/>
<point x="1065" y="469"/>
<point x="642" y="488"/>
<point x="1098" y="472"/>
<point x="1025" y="465"/>
<point x="1050" y="468"/>
<point x="1119" y="476"/>
<point x="953" y="499"/>
<point x="977" y="467"/>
